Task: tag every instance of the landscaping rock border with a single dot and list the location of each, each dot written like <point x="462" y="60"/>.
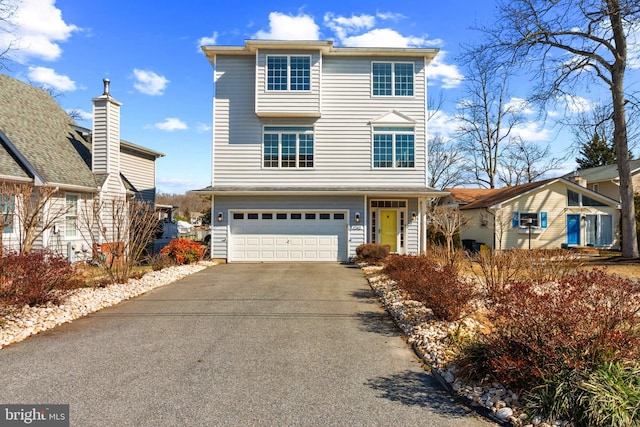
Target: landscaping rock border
<point x="28" y="321"/>
<point x="429" y="339"/>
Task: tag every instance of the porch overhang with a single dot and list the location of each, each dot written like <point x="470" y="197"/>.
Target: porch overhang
<point x="325" y="191"/>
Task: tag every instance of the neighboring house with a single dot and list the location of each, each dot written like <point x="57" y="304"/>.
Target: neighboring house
<point x="317" y="149"/>
<point x="42" y="146"/>
<point x="552" y="213"/>
<point x="606" y="179"/>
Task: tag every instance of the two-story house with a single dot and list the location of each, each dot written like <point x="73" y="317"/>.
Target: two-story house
<point x="41" y="146"/>
<point x="605" y="179"/>
<point x="317" y="149"/>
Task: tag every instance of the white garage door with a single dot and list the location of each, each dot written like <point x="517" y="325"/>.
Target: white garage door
<point x="288" y="236"/>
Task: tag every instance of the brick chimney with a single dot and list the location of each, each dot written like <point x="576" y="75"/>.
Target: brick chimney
<point x="105" y="152"/>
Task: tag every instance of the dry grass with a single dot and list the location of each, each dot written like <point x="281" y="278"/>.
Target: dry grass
<point x="614" y="264"/>
<point x="610" y="260"/>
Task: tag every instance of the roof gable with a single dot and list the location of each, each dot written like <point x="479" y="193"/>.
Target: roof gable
<point x="41" y="131"/>
<point x="507" y="194"/>
<point x="603" y="173"/>
<point x="393" y="118"/>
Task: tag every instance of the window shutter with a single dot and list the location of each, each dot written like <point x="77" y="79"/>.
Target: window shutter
<point x="543" y="219"/>
<point x="515" y="220"/>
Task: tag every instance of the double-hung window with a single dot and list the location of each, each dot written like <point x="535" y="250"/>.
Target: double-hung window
<point x="288" y="73"/>
<point x="393" y="147"/>
<point x="288" y="147"/>
<point x="7" y="207"/>
<point x="392" y="78"/>
<point x="71" y="216"/>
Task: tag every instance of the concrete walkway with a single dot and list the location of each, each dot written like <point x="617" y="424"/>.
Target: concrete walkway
<point x="239" y="345"/>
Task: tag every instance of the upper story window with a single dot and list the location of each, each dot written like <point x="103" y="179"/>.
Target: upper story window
<point x="7" y="207"/>
<point x="288" y="72"/>
<point x="392" y="78"/>
<point x="393" y="147"/>
<point x="288" y="147"/>
<point x="577" y="199"/>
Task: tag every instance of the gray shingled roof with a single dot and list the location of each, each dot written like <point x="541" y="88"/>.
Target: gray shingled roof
<point x="603" y="173"/>
<point x="42" y="132"/>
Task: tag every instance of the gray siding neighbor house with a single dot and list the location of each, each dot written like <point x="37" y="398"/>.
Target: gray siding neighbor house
<point x="41" y="145"/>
<point x="317" y="149"/>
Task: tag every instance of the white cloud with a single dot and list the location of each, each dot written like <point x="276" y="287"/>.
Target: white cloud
<point x="443" y="124"/>
<point x="288" y="27"/>
<point x="81" y="114"/>
<point x="392" y="16"/>
<point x="149" y="82"/>
<point x="343" y="26"/>
<point x="359" y="31"/>
<point x="207" y="41"/>
<point x="35" y="31"/>
<point x="170" y="124"/>
<point x="448" y="74"/>
<point x="577" y="104"/>
<point x="203" y="127"/>
<point x="519" y="105"/>
<point x="48" y="78"/>
<point x="531" y="132"/>
<point x="386" y="37"/>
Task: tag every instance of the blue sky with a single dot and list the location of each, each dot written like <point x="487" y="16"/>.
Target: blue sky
<point x="150" y="52"/>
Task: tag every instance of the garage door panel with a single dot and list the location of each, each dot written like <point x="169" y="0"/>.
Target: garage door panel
<point x="288" y="240"/>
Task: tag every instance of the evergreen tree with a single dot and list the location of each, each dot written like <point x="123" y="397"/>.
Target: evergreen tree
<point x="596" y="152"/>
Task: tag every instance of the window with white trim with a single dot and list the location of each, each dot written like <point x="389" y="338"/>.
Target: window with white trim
<point x="7" y="208"/>
<point x="71" y="216"/>
<point x="288" y="147"/>
<point x="529" y="219"/>
<point x="393" y="147"/>
<point x="288" y="73"/>
<point x="392" y="78"/>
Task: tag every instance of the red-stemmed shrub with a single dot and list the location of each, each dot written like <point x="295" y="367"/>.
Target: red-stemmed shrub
<point x="372" y="253"/>
<point x="438" y="287"/>
<point x="33" y="278"/>
<point x="580" y="322"/>
<point x="183" y="251"/>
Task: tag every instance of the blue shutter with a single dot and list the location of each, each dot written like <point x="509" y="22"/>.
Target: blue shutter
<point x="543" y="219"/>
<point x="515" y="220"/>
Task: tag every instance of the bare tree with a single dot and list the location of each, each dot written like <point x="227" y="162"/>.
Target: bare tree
<point x="119" y="232"/>
<point x="447" y="165"/>
<point x="569" y="43"/>
<point x="524" y="162"/>
<point x="7" y="39"/>
<point x="35" y="211"/>
<point x="487" y="118"/>
<point x="448" y="222"/>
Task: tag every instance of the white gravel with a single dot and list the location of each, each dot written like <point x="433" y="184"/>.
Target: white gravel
<point x="29" y="321"/>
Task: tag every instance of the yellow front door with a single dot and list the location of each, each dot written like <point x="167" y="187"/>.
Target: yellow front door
<point x="389" y="229"/>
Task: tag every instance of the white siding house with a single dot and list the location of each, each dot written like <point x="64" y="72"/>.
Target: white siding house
<point x="317" y="149"/>
<point x="41" y="146"/>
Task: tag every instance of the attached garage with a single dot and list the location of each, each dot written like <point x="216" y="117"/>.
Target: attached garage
<point x="288" y="236"/>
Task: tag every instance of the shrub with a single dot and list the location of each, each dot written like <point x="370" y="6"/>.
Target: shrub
<point x="183" y="251"/>
<point x="607" y="397"/>
<point x="498" y="268"/>
<point x="32" y="278"/>
<point x="437" y="287"/>
<point x="372" y="253"/>
<point x="583" y="321"/>
<point x="160" y="261"/>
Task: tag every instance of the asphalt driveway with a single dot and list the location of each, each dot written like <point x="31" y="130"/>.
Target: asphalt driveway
<point x="236" y="344"/>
